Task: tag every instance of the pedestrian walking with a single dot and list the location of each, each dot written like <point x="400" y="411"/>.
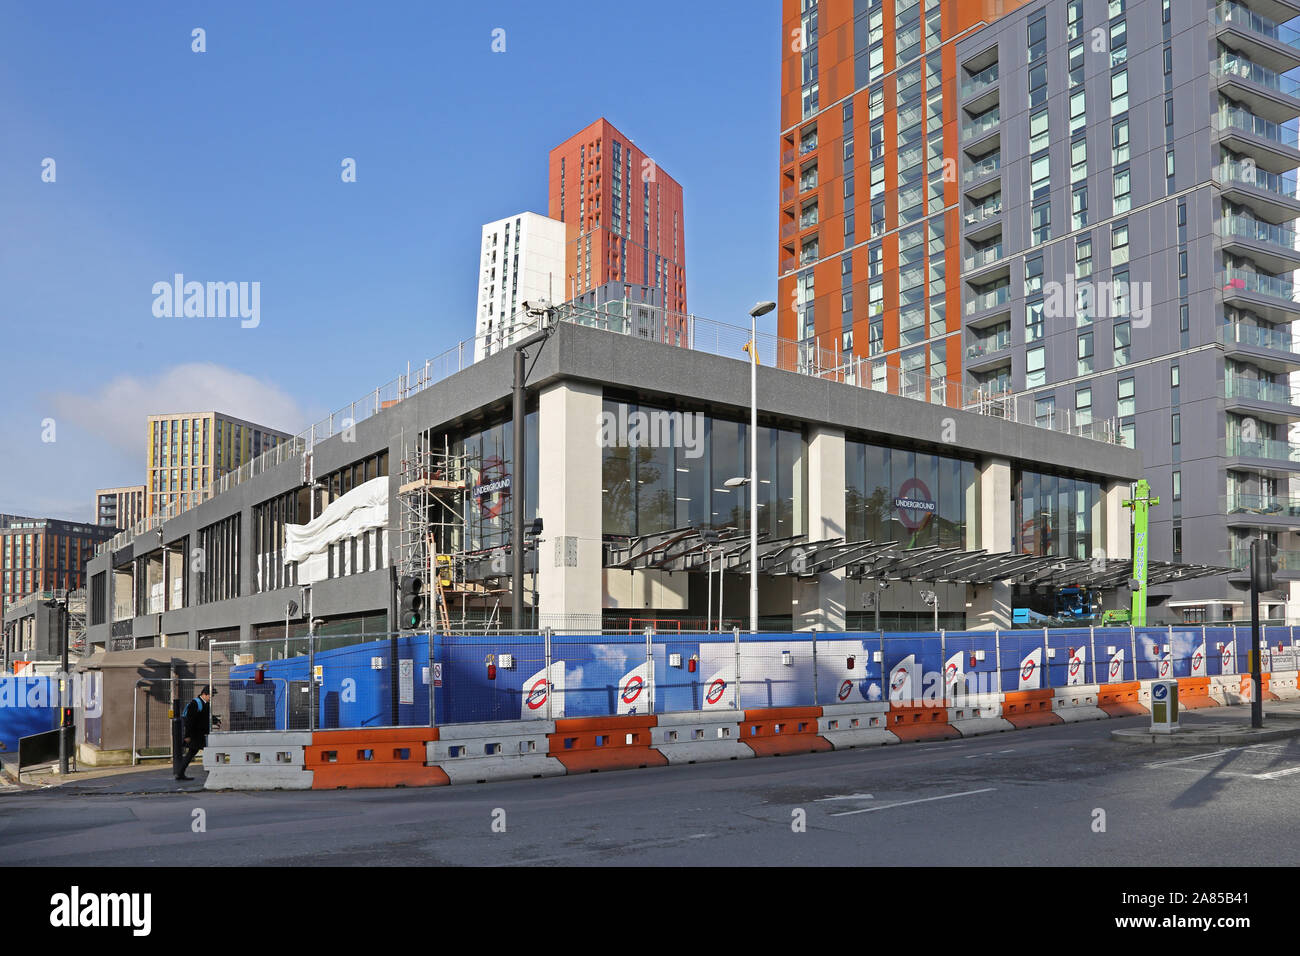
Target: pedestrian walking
<point x="197" y="721"/>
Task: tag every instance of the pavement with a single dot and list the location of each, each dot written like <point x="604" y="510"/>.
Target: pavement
<point x="1207" y="726"/>
<point x="1066" y="794"/>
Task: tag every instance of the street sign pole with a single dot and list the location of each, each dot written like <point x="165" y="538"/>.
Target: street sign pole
<point x="1256" y="704"/>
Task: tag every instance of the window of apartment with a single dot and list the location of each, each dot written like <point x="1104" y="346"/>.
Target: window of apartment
<point x="1076" y="65"/>
<point x="1038" y="131"/>
<point x="1124" y="394"/>
<point x="1073" y="18"/>
<point x="1178" y="486"/>
<point x="1169" y="60"/>
<point x="1079" y="160"/>
<point x="1040" y="183"/>
<point x="1040" y="219"/>
<point x="1044" y="411"/>
<point x="1037" y="85"/>
<point x="1173" y="376"/>
<point x="1123" y="195"/>
<point x="1036" y="34"/>
<point x="1035" y="367"/>
<point x="1084" y="353"/>
<point x="1119" y="93"/>
<point x="1079" y="207"/>
<point x="1119" y="294"/>
<point x="1078" y="111"/>
<point x="1083" y="406"/>
<point x="1119" y="243"/>
<point x="848" y="188"/>
<point x="1119" y="142"/>
<point x="1034" y="321"/>
<point x="1169" y="111"/>
<point x="1033" y="275"/>
<point x="1175" y="429"/>
<point x="1169" y="164"/>
<point x="1118" y="42"/>
<point x="1123" y="342"/>
<point x="1116" y="8"/>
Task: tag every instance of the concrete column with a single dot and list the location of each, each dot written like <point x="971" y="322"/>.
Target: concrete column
<point x="990" y="604"/>
<point x="569" y="502"/>
<point x="821" y="603"/>
<point x="1115" y="521"/>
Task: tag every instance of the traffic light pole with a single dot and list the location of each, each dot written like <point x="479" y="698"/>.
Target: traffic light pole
<point x="518" y="470"/>
<point x="64" y="702"/>
<point x="1256" y="703"/>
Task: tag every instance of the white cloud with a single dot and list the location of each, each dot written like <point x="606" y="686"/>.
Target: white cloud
<point x="118" y="411"/>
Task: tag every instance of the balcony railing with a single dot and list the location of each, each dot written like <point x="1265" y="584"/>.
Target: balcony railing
<point x="1264" y="505"/>
<point x="988" y="300"/>
<point x="1286" y="560"/>
<point x="1285" y="134"/>
<point x="1259" y="390"/>
<point x="788" y="193"/>
<point x="807" y="184"/>
<point x="988" y="210"/>
<point x="1233" y="172"/>
<point x="806" y="221"/>
<point x="982" y="123"/>
<point x="988" y="344"/>
<point x="1268" y="448"/>
<point x="789" y="229"/>
<point x="1247" y="227"/>
<point x="989" y="164"/>
<point x="1238" y="280"/>
<point x="979" y="81"/>
<point x="983" y="257"/>
<point x="1231" y="65"/>
<point x="806" y="146"/>
<point x="1244" y="18"/>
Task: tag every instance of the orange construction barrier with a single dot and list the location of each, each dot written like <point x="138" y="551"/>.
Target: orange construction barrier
<point x="775" y="731"/>
<point x="1265" y="693"/>
<point x="592" y="744"/>
<point x="1121" y="700"/>
<point x="1194" y="693"/>
<point x="1030" y="708"/>
<point x="384" y="757"/>
<point x="917" y="722"/>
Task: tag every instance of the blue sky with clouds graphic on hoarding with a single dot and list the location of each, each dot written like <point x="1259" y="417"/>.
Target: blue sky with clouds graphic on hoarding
<point x="225" y="166"/>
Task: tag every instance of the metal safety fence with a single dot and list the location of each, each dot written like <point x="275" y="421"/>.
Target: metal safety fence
<point x="411" y="680"/>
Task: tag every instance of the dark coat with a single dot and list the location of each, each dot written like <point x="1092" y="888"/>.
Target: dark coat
<point x="198" y="721"/>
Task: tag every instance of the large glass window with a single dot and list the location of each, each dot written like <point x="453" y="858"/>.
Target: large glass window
<point x="1054" y="515"/>
<point x="910" y="498"/>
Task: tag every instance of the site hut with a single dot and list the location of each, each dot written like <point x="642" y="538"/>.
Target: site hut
<point x="854" y="485"/>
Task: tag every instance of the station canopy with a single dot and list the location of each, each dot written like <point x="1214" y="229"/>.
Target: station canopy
<point x="693" y="549"/>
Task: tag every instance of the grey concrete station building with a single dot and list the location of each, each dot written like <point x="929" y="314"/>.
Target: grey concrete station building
<point x="836" y="462"/>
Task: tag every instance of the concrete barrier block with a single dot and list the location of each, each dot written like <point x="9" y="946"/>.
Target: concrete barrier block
<point x="260" y="738"/>
<point x="1284" y="684"/>
<point x="848" y="726"/>
<point x="498" y="750"/>
<point x="696" y="736"/>
<point x="976" y="714"/>
<point x="245" y="777"/>
<point x="1077" y="703"/>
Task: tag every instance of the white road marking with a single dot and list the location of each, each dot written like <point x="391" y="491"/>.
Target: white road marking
<point x="1215" y="753"/>
<point x="989" y="753"/>
<point x="847" y="796"/>
<point x="905" y="803"/>
<point x="1274" y="774"/>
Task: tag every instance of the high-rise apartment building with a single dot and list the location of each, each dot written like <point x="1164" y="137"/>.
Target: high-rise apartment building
<point x="45" y="554"/>
<point x="1083" y="209"/>
<point x="521" y="259"/>
<point x="624" y="216"/>
<point x="120" y="508"/>
<point x="188" y="452"/>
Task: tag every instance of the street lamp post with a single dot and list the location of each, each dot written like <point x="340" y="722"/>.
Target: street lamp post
<point x="761" y="308"/>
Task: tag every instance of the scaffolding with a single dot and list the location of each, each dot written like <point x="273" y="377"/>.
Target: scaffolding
<point x="431" y="541"/>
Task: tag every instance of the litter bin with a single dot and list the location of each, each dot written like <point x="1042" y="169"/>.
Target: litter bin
<point x="1164" y="706"/>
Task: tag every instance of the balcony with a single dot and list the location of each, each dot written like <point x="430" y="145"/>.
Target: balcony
<point x="1262" y="510"/>
<point x="807" y="183"/>
<point x="977" y="126"/>
<point x="787" y="156"/>
<point x="980" y="258"/>
<point x="983" y="177"/>
<point x="1270" y="246"/>
<point x="1273" y="146"/>
<point x="1271" y="197"/>
<point x="1263" y="450"/>
<point x="807" y="145"/>
<point x="1269" y="95"/>
<point x="998" y="299"/>
<point x="788" y="193"/>
<point x="1288" y="562"/>
<point x="988" y="351"/>
<point x="1276" y="300"/>
<point x="1257" y="37"/>
<point x="980" y="90"/>
<point x="1269" y="401"/>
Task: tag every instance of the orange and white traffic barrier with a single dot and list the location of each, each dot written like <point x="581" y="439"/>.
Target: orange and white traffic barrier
<point x="380" y="757"/>
<point x="261" y="760"/>
<point x="496" y="750"/>
<point x="976" y="714"/>
<point x="920" y="722"/>
<point x="1120" y="699"/>
<point x="1284" y="685"/>
<point x="697" y="736"/>
<point x="859" y="724"/>
<point x="1030" y="708"/>
<point x="1077" y="702"/>
<point x="779" y="731"/>
<point x="592" y="744"/>
<point x="1194" y="693"/>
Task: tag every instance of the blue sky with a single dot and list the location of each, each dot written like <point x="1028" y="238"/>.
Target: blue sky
<point x="225" y="166"/>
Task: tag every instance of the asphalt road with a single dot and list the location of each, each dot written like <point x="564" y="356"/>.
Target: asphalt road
<point x="1023" y="798"/>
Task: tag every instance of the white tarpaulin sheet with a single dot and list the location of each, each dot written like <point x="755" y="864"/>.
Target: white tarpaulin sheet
<point x="362" y="509"/>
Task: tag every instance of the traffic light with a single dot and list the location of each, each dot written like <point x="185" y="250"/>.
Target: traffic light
<point x="1264" y="556"/>
<point x="412" y="603"/>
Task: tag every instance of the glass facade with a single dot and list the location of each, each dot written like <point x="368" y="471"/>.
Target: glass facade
<point x="489" y="508"/>
<point x="664" y="469"/>
<point x="1054" y="515"/>
<point x="911" y="498"/>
